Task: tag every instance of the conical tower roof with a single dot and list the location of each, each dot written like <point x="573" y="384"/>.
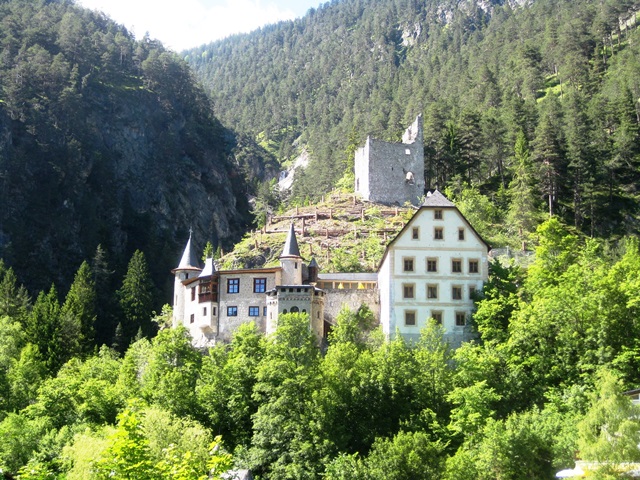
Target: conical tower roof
<point x="189" y="259"/>
<point x="291" y="245"/>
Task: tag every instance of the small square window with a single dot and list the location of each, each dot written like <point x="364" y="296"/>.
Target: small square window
<point x="410" y="318"/>
<point x="472" y="292"/>
<point x="415" y="233"/>
<point x="408" y="291"/>
<point x="456" y="292"/>
<point x="474" y="266"/>
<point x="408" y="264"/>
<point x="456" y="266"/>
<point x="259" y="285"/>
<point x="233" y="285"/>
<point x="437" y="316"/>
<point x="461" y="234"/>
<point x="232" y="311"/>
<point x="432" y="292"/>
<point x="461" y="319"/>
<point x="432" y="264"/>
<point x="437" y="214"/>
<point x="438" y="233"/>
<point x="254" y="311"/>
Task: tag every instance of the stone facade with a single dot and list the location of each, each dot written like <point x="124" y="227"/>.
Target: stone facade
<point x="429" y="270"/>
<point x="392" y="173"/>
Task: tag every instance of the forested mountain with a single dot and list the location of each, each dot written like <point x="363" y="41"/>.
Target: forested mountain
<point x="564" y="73"/>
<point x="104" y="140"/>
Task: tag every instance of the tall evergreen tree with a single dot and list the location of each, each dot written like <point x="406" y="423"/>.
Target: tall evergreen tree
<point x="80" y="306"/>
<point x="136" y="298"/>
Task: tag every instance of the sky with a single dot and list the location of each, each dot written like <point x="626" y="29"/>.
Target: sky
<point x="182" y="24"/>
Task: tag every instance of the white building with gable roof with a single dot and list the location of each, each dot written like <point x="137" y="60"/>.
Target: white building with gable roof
<point x="431" y="269"/>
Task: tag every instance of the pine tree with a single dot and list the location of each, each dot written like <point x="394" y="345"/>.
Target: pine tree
<point x="80" y="306"/>
<point x="136" y="297"/>
<point x="521" y="219"/>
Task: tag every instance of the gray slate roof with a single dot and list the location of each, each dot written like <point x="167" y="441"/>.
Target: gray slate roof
<point x="291" y="245"/>
<point x="189" y="259"/>
<point x="436" y="199"/>
<point x="209" y="268"/>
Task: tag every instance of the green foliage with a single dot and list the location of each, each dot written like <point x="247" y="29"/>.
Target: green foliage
<point x="610" y="430"/>
<point x="136" y="297"/>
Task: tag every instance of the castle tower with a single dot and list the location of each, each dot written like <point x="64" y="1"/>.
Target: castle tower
<point x="187" y="268"/>
<point x="291" y="261"/>
<point x="392" y="173"/>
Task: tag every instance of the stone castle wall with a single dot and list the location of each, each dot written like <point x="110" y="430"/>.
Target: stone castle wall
<point x="392" y="173"/>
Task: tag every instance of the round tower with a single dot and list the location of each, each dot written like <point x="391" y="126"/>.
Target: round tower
<point x="291" y="261"/>
<point x="187" y="268"/>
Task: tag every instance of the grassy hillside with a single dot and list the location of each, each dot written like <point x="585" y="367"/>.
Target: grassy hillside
<point x="341" y="232"/>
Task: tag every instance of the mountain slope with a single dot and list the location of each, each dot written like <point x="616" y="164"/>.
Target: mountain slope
<point x="563" y="72"/>
<point x="104" y="140"/>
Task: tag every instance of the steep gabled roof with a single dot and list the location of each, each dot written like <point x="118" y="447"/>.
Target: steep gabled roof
<point x="291" y="245"/>
<point x="209" y="268"/>
<point x="434" y="200"/>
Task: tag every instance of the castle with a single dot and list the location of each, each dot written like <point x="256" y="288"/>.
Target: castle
<point x="392" y="173"/>
<point x="431" y="269"/>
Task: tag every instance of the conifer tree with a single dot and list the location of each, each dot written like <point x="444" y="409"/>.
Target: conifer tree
<point x="136" y="297"/>
<point x="521" y="218"/>
<point x="80" y="306"/>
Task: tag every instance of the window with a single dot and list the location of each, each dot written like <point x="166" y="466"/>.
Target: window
<point x="432" y="292"/>
<point x="232" y="311"/>
<point x="254" y="311"/>
<point x="437" y="214"/>
<point x="408" y="290"/>
<point x="461" y="319"/>
<point x="233" y="285"/>
<point x="437" y="316"/>
<point x="215" y="311"/>
<point x="456" y="265"/>
<point x="193" y="294"/>
<point x="264" y="311"/>
<point x="409" y="318"/>
<point x="461" y="234"/>
<point x="472" y="292"/>
<point x="474" y="266"/>
<point x="259" y="285"/>
<point x="204" y="311"/>
<point x="295" y="309"/>
<point x="432" y="264"/>
<point x="408" y="264"/>
<point x="192" y="318"/>
<point x="415" y="233"/>
<point x="438" y="233"/>
<point x="456" y="292"/>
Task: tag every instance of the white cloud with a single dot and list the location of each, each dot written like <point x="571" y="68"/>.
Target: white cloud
<point x="181" y="24"/>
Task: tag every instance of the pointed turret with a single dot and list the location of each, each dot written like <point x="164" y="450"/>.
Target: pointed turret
<point x="313" y="271"/>
<point x="291" y="245"/>
<point x="189" y="259"/>
<point x="291" y="261"/>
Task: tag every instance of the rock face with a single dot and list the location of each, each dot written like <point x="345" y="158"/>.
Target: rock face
<point x="102" y="148"/>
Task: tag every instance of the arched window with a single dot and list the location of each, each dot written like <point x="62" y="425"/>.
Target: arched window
<point x="284" y="311"/>
<point x="304" y="311"/>
<point x="295" y="309"/>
